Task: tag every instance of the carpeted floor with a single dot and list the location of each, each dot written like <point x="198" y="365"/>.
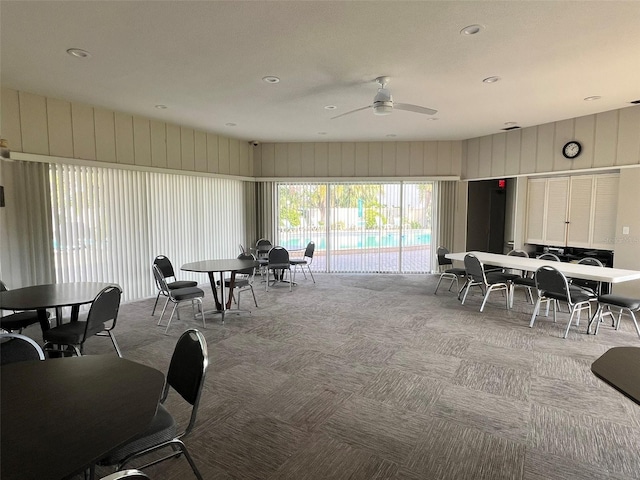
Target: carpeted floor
<point x="375" y="377"/>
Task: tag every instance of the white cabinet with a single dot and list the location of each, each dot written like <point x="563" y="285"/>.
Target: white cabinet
<point x="577" y="211"/>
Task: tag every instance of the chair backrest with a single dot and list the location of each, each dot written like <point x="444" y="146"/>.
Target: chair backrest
<point x="246" y="271"/>
<point x="442" y="260"/>
<point x="127" y="475"/>
<point x="165" y="266"/>
<point x="278" y="255"/>
<point x="16" y="347"/>
<point x="474" y="268"/>
<point x="592" y="285"/>
<point x="263" y="242"/>
<point x="549" y="279"/>
<point x="159" y="277"/>
<point x="103" y="309"/>
<point x="549" y="256"/>
<point x="591" y="261"/>
<point x="187" y="371"/>
<point x="311" y="248"/>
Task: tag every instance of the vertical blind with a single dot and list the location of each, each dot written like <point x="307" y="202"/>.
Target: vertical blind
<point x="109" y="224"/>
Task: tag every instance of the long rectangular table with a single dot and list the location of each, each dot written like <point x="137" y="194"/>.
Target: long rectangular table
<point x="573" y="270"/>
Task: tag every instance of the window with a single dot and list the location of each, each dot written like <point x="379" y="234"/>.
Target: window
<point x="359" y="227"/>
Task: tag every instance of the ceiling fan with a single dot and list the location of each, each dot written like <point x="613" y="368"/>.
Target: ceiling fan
<point x="383" y="103"/>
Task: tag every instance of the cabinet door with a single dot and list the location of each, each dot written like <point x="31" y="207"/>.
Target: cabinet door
<point x="580" y="209"/>
<point x="556" y="211"/>
<point x="605" y="211"/>
<point x="536" y="194"/>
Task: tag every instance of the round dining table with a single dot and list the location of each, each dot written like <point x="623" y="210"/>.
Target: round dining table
<point x="211" y="267"/>
<point x="54" y="295"/>
<point x="60" y="416"/>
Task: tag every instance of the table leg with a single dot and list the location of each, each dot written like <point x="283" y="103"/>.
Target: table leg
<point x="223" y="305"/>
<point x="212" y="281"/>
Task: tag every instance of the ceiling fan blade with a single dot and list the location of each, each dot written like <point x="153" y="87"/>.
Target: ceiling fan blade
<point x="414" y="108"/>
<point x="352" y="111"/>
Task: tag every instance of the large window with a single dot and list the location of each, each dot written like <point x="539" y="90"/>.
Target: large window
<point x="109" y="224"/>
<point x="359" y="227"/>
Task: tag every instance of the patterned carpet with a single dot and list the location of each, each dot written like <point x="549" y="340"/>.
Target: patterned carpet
<point x="375" y="377"/>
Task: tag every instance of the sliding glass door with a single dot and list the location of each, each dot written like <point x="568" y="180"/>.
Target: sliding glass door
<point x="359" y="227"/>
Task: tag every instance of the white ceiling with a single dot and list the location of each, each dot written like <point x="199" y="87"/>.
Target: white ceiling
<point x="205" y="61"/>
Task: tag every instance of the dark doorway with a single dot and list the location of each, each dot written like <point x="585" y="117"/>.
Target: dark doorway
<point x="485" y="216"/>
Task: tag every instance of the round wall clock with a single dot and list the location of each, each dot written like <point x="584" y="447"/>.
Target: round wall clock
<point x="571" y="149"/>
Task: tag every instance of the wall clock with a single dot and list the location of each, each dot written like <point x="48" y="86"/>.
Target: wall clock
<point x="571" y="150"/>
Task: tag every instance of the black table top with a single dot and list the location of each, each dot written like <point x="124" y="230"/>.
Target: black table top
<point x="229" y="265"/>
<point x="61" y="415"/>
<point x="620" y="368"/>
<point x="51" y="295"/>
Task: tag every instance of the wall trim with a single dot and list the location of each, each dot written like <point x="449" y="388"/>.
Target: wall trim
<point x="32" y="157"/>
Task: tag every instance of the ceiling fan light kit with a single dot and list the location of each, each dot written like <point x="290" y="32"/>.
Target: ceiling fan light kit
<point x="383" y="103"/>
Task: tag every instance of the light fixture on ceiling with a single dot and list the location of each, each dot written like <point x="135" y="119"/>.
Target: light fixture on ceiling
<point x="330" y="107"/>
<point x="471" y="29"/>
<point x="231" y="124"/>
<point x="493" y="79"/>
<point x="78" y="53"/>
<point x="322" y="133"/>
<point x="391" y="135"/>
<point x="433" y="119"/>
<point x="161" y="107"/>
<point x="270" y="79"/>
<point x="592" y="98"/>
<point x="510" y="124"/>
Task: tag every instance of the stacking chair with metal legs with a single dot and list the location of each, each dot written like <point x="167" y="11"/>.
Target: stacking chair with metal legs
<point x="178" y="296"/>
<point x="605" y="302"/>
<point x="305" y="261"/>
<point x="487" y="281"/>
<point x="452" y="274"/>
<point x="101" y="320"/>
<point x="278" y="264"/>
<point x="552" y="285"/>
<point x="243" y="280"/>
<point x="186" y="376"/>
<point x="165" y="266"/>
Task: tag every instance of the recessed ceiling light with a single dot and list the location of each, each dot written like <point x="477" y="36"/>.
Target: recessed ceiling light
<point x="322" y="133"/>
<point x="78" y="53"/>
<point x="271" y="79"/>
<point x="161" y="107"/>
<point x="391" y="135"/>
<point x="592" y="98"/>
<point x="433" y="119"/>
<point x="330" y="107"/>
<point x="471" y="29"/>
<point x="510" y="124"/>
<point x="231" y="124"/>
<point x="491" y="79"/>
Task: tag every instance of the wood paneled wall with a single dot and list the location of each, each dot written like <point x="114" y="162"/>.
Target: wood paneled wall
<point x="46" y="126"/>
<point x="609" y="139"/>
<point x="358" y="160"/>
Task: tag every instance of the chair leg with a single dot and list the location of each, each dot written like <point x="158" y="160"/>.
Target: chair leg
<point x="201" y="308"/>
<point x="438" y="285"/>
<point x="635" y="322"/>
<point x="115" y="344"/>
<point x="155" y="304"/>
<point x="310" y="273"/>
<point x="163" y="310"/>
<point x="175" y="305"/>
<point x="466" y="291"/>
<point x="595" y="318"/>
<point x="252" y="293"/>
<point x="536" y="308"/>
